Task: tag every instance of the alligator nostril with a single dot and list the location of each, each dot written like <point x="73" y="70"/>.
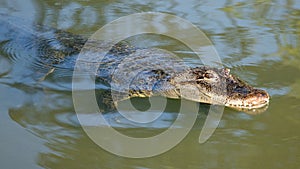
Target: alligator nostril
<point x="263" y="94"/>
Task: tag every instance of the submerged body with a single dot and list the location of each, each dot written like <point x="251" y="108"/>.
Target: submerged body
<point x="135" y="72"/>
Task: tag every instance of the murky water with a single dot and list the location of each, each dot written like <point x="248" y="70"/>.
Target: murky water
<point x="258" y="40"/>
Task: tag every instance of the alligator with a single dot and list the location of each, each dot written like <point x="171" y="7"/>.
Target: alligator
<point x="136" y="72"/>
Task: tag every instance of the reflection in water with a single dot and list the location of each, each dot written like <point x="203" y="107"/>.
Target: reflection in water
<point x="57" y="124"/>
<point x="258" y="40"/>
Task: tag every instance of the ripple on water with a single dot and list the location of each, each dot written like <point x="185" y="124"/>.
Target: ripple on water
<point x="5" y="66"/>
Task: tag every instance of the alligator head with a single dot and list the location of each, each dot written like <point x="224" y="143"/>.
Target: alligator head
<point x="218" y="86"/>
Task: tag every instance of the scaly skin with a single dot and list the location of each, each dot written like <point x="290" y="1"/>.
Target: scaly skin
<point x="151" y="71"/>
<point x="134" y="72"/>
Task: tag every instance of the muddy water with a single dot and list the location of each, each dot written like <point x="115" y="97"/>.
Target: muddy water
<point x="258" y="40"/>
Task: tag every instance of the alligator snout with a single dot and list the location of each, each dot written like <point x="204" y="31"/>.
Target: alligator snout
<point x="258" y="98"/>
<point x="255" y="98"/>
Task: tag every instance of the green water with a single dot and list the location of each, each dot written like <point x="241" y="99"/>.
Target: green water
<point x="258" y="40"/>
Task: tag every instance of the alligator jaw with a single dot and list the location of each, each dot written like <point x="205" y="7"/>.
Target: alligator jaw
<point x="218" y="86"/>
<point x="243" y="96"/>
<point x="255" y="103"/>
<point x="256" y="98"/>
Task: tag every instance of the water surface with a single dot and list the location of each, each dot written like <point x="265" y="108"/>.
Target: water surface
<point x="258" y="40"/>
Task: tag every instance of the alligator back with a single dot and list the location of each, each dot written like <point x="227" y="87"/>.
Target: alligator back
<point x="35" y="48"/>
<point x="43" y="48"/>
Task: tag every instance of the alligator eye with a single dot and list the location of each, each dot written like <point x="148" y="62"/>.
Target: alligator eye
<point x="208" y="75"/>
